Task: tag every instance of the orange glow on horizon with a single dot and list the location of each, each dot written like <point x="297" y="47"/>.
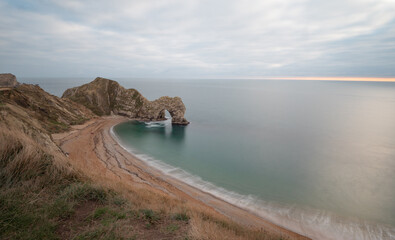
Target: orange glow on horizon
<point x="355" y="79"/>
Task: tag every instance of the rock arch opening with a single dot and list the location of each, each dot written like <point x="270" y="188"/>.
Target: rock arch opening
<point x="165" y="114"/>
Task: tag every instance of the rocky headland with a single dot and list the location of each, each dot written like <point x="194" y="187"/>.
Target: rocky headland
<point x="8" y="80"/>
<point x="106" y="97"/>
<point x="29" y="107"/>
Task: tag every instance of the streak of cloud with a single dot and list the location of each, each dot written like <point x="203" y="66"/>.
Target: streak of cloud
<point x="193" y="39"/>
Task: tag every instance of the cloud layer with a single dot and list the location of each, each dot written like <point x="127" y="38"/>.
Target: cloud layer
<point x="178" y="38"/>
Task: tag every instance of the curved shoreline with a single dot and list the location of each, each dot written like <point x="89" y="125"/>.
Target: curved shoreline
<point x="104" y="157"/>
<point x="310" y="222"/>
<point x="182" y="178"/>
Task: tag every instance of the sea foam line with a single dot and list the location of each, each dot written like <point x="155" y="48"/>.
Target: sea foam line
<point x="313" y="223"/>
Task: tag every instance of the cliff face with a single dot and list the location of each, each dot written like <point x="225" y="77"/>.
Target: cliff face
<point x="105" y="97"/>
<point x="8" y="80"/>
<point x="29" y="107"/>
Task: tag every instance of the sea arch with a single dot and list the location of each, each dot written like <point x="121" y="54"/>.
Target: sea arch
<point x="174" y="105"/>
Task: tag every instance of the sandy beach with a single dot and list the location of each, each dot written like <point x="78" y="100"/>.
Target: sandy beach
<point x="92" y="150"/>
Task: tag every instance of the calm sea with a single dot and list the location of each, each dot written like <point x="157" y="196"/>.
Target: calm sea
<point x="317" y="157"/>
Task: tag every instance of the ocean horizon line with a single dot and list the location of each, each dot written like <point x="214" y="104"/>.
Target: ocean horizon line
<point x="325" y="78"/>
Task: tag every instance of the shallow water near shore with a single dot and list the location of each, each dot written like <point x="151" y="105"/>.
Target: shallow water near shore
<point x="315" y="157"/>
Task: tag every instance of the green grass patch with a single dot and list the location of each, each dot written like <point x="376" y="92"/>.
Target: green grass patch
<point x="181" y="217"/>
<point x="107" y="215"/>
<point x="32" y="215"/>
<point x="79" y="121"/>
<point x="61" y="209"/>
<point x="104" y="233"/>
<point x="55" y="126"/>
<point x="19" y="219"/>
<point x="172" y="228"/>
<point x="84" y="192"/>
<point x="100" y="212"/>
<point x="150" y="215"/>
<point x="118" y="201"/>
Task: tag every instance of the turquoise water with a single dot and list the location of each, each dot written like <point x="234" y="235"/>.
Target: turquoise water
<point x="300" y="153"/>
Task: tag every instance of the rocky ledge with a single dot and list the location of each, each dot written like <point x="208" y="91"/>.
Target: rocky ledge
<point x="8" y="80"/>
<point x="105" y="97"/>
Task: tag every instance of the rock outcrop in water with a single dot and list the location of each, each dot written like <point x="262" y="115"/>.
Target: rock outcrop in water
<point x="106" y="97"/>
<point x="8" y="80"/>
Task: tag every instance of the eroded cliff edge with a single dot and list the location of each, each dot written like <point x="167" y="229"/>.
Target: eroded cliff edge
<point x="105" y="97"/>
<point x="8" y="80"/>
<point x="29" y="107"/>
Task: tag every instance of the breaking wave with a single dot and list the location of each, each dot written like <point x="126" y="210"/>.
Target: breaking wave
<point x="158" y="124"/>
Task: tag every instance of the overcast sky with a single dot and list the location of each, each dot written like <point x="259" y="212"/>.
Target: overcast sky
<point x="197" y="39"/>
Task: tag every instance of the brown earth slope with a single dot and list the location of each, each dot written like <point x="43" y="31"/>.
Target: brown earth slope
<point x="29" y="103"/>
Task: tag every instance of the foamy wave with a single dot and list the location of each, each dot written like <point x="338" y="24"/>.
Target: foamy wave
<point x="313" y="223"/>
<point x="158" y="124"/>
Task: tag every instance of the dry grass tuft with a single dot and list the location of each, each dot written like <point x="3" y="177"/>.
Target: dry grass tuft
<point x="22" y="160"/>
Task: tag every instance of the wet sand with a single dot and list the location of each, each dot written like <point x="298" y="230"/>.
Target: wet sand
<point x="93" y="151"/>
